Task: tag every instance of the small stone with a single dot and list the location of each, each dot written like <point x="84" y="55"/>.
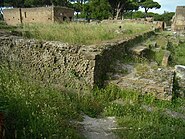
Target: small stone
<point x="180" y="71"/>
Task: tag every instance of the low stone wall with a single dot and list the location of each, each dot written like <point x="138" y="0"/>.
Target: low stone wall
<point x="111" y="51"/>
<point x="62" y="64"/>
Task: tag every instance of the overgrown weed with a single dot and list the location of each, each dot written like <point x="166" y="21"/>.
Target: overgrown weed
<point x="78" y="33"/>
<point x="36" y="112"/>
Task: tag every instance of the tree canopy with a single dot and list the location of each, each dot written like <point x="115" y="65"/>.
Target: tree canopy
<point x="99" y="9"/>
<point x="35" y="3"/>
<point x="149" y="4"/>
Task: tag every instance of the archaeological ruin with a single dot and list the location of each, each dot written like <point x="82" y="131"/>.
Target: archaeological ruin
<point x="179" y="19"/>
<point x="17" y="16"/>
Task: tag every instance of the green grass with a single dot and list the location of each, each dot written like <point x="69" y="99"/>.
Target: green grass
<point x="33" y="111"/>
<point x="136" y="122"/>
<point x="80" y="33"/>
<point x="159" y="56"/>
<point x="5" y="27"/>
<point x="179" y="54"/>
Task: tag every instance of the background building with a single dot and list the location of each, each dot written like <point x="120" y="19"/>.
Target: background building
<point x="17" y="16"/>
<point x="178" y="20"/>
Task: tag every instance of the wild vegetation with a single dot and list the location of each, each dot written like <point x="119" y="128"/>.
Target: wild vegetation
<point x="32" y="111"/>
<point x="179" y="55"/>
<point x="77" y="33"/>
<point x="166" y="16"/>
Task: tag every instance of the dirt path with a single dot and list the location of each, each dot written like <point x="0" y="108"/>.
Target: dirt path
<point x="100" y="128"/>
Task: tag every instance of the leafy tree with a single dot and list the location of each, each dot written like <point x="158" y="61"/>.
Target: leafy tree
<point x="35" y="3"/>
<point x="138" y="14"/>
<point x="14" y="3"/>
<point x="77" y="7"/>
<point x="149" y="4"/>
<point x="117" y="6"/>
<point x="99" y="9"/>
<point x="167" y="16"/>
<point x="131" y="6"/>
<point x="60" y="2"/>
<point x="121" y="6"/>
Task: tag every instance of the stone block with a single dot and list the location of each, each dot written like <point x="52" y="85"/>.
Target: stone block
<point x="166" y="58"/>
<point x="180" y="71"/>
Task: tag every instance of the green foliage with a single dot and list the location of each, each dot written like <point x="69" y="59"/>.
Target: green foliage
<point x="149" y="4"/>
<point x="119" y="7"/>
<point x="5" y="27"/>
<point x="134" y="15"/>
<point x="77" y="7"/>
<point x="159" y="56"/>
<point x="166" y="17"/>
<point x="99" y="9"/>
<point x="179" y="55"/>
<point x="35" y="3"/>
<point x="144" y="117"/>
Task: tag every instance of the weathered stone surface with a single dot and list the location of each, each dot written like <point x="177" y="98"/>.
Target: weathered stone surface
<point x="44" y="15"/>
<point x="178" y="20"/>
<point x="148" y="80"/>
<point x="165" y="59"/>
<point x="61" y="64"/>
<point x="50" y="62"/>
<point x="180" y="78"/>
<point x="94" y="128"/>
<point x="180" y="71"/>
<point x="140" y="50"/>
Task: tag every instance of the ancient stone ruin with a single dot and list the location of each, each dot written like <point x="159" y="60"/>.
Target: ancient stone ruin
<point x="178" y="20"/>
<point x="17" y="16"/>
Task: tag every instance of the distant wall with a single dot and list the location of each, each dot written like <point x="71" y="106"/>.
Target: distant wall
<point x="62" y="64"/>
<point x="12" y="16"/>
<point x="158" y="25"/>
<point x="179" y="19"/>
<point x="37" y="15"/>
<point x="63" y="14"/>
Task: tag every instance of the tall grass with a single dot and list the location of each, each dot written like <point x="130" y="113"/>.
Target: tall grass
<point x="178" y="54"/>
<point x="80" y="33"/>
<point x="32" y="111"/>
<point x="4" y="26"/>
<point x="35" y="112"/>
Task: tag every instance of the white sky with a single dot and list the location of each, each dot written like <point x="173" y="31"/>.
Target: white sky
<point x="167" y="5"/>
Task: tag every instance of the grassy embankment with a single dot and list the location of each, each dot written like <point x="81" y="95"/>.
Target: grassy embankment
<point x="78" y="33"/>
<point x="32" y="111"/>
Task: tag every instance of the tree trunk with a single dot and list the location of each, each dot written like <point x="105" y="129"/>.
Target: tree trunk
<point x="146" y="11"/>
<point x="118" y="10"/>
<point x="117" y="13"/>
